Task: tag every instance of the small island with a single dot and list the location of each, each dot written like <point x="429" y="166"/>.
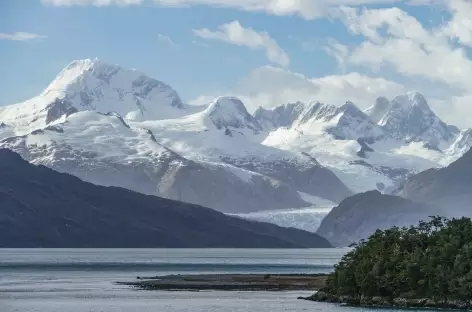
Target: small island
<point x="239" y="282"/>
<point x="424" y="266"/>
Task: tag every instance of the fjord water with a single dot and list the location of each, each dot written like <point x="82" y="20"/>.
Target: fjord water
<point x="84" y="280"/>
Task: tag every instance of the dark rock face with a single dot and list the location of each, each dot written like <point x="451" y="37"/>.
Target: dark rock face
<point x="59" y="108"/>
<point x="359" y="216"/>
<point x="43" y="208"/>
<point x="365" y="148"/>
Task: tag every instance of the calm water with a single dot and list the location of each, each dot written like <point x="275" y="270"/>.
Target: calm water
<point x="45" y="280"/>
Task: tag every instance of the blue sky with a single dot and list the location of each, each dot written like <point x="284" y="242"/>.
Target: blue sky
<point x="332" y="51"/>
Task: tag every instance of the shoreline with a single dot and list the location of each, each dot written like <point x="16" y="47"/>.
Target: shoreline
<point x="232" y="282"/>
<point x="389" y="303"/>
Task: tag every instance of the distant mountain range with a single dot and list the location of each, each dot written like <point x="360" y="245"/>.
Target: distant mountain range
<point x="118" y="127"/>
<point x="43" y="208"/>
<point x="443" y="192"/>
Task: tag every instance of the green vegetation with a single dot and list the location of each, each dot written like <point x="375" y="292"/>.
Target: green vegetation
<point x="426" y="265"/>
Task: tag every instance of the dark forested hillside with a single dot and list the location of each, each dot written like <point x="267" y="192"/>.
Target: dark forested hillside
<point x="43" y="208"/>
<point x="426" y="265"/>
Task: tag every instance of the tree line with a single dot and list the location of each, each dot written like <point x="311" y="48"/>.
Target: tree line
<point x="430" y="260"/>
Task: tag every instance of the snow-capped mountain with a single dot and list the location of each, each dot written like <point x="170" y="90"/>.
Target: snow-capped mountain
<point x="280" y="116"/>
<point x="95" y="85"/>
<point x="209" y="155"/>
<point x="408" y="117"/>
<point x="345" y="123"/>
<point x="230" y="112"/>
<point x="114" y="126"/>
<point x="376" y="148"/>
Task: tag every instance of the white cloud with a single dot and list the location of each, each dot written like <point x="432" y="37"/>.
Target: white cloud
<point x="91" y="2"/>
<point x="407" y="57"/>
<point x="167" y="40"/>
<point x="408" y="47"/>
<point x="339" y="52"/>
<point x="460" y="26"/>
<point x="394" y="42"/>
<point x="203" y="100"/>
<point x="236" y="34"/>
<point x="21" y="36"/>
<point x="397" y="40"/>
<point x="456" y="110"/>
<point x="308" y="9"/>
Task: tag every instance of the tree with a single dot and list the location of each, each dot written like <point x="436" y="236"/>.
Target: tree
<point x="430" y="260"/>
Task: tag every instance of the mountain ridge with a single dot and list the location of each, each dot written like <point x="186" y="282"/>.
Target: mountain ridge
<point x="444" y="192"/>
<point x="359" y="216"/>
<point x="249" y="162"/>
<point x="44" y="208"/>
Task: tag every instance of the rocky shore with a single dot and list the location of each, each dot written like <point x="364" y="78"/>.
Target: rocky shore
<point x="240" y="282"/>
<point x="383" y="302"/>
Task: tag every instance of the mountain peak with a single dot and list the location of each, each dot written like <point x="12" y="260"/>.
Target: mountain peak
<point x="408" y="117"/>
<point x="227" y="111"/>
<point x="379" y="109"/>
<point x="352" y="123"/>
<point x="76" y="70"/>
<point x="411" y="100"/>
<point x="350" y="108"/>
<point x="91" y="84"/>
<point x="280" y="116"/>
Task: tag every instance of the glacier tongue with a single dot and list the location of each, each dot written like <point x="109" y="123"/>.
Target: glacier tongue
<point x="308" y="219"/>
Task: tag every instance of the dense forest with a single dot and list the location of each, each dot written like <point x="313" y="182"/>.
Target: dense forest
<point x="425" y="265"/>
